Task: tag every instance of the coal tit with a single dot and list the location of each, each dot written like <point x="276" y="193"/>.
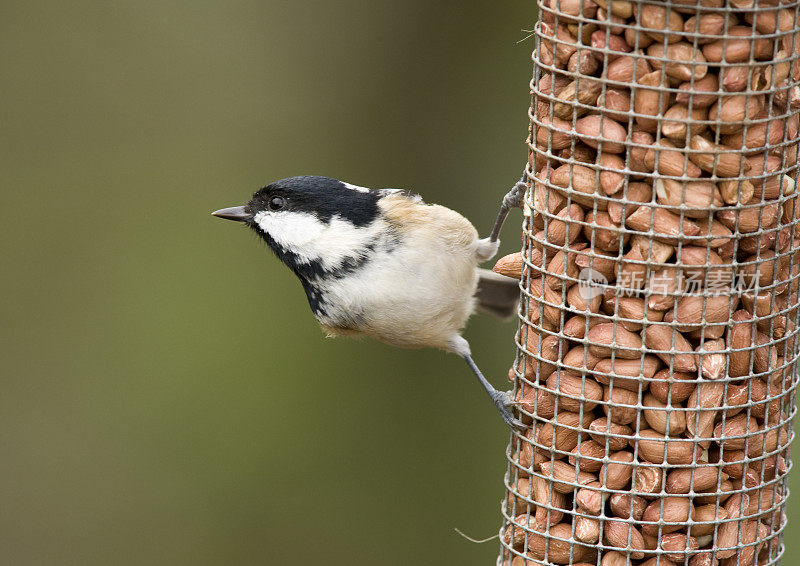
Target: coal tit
<point x="383" y="263"/>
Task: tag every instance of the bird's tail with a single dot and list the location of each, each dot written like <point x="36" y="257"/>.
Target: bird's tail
<point x="497" y="294"/>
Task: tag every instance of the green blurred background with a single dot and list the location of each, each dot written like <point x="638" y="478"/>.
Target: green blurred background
<point x="167" y="397"/>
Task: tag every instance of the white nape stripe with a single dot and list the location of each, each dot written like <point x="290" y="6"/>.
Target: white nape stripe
<point x="311" y="239"/>
<point x="355" y="187"/>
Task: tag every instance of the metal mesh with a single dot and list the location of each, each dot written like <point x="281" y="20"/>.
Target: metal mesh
<point x="658" y="343"/>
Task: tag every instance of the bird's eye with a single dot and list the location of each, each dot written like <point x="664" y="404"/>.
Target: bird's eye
<point x="276" y="203"/>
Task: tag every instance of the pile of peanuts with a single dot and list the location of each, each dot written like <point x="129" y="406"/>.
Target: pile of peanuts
<point x="660" y="269"/>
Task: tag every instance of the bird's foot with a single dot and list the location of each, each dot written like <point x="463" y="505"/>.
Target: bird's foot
<point x="516" y="196"/>
<point x="504" y="401"/>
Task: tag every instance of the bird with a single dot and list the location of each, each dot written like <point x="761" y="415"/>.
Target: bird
<point x="383" y="263"/>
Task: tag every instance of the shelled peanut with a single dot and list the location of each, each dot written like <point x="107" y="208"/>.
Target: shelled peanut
<point x="581" y="463"/>
<point x="583" y="475"/>
<point x="659" y="339"/>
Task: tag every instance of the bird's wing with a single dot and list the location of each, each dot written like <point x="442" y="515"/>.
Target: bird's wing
<point x="497" y="294"/>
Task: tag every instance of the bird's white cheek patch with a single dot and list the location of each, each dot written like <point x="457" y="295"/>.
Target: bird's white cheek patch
<point x="298" y="232"/>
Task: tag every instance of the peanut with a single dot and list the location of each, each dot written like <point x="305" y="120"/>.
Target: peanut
<point x="562" y="433"/>
<point x="663" y="418"/>
<point x="555" y="545"/>
<point x="587" y="456"/>
<point x="693" y="94"/>
<point x="668" y="161"/>
<point x="654" y="448"/>
<point x="671" y="386"/>
<point x="609" y="434"/>
<point x="676" y="53"/>
<point x="627" y="69"/>
<point x="678" y="546"/>
<point x="684" y="480"/>
<point x="648" y="480"/>
<point x="601" y="133"/>
<point x="662" y="339"/>
<point x="607" y="338"/>
<point x="564" y="477"/>
<point x="739" y="48"/>
<point x="652" y="18"/>
<point x="679" y="119"/>
<point x="620" y="534"/>
<point x="693" y="197"/>
<point x="620" y="405"/>
<point x="549" y="502"/>
<point x="617" y="473"/>
<point x="674" y="511"/>
<point x="627" y="506"/>
<point x="510" y="266"/>
<point x="573" y="392"/>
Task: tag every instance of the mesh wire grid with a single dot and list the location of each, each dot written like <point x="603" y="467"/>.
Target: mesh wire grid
<point x="657" y="347"/>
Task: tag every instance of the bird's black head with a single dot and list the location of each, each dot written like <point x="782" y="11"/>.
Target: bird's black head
<point x="316" y="225"/>
<point x="321" y="197"/>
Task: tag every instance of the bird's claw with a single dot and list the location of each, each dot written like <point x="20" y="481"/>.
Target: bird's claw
<point x="504" y="400"/>
<point x="515" y="197"/>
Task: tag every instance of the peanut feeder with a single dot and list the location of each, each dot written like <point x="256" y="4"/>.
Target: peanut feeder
<point x="658" y="338"/>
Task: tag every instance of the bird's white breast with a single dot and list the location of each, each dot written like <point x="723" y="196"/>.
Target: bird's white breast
<point x="418" y="293"/>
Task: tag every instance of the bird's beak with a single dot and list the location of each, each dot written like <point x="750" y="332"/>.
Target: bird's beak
<point x="236" y="213"/>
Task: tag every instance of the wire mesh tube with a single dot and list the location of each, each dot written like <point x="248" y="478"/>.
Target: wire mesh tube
<point x="658" y="337"/>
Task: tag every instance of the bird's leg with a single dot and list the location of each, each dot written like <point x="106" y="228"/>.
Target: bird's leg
<point x="513" y="199"/>
<point x="501" y="399"/>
